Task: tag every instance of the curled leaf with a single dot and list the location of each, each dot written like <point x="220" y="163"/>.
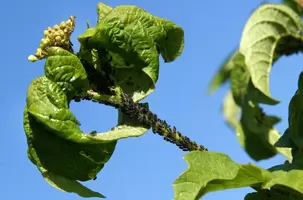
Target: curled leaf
<point x="129" y="41"/>
<point x="56" y="144"/>
<point x="271" y="31"/>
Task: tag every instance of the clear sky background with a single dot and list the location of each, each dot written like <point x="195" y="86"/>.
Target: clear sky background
<point x="145" y="167"/>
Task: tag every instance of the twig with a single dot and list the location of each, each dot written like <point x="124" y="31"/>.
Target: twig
<point x="139" y="112"/>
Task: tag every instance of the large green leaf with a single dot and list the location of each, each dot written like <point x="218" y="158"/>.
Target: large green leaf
<point x="212" y="171"/>
<point x="271" y="31"/>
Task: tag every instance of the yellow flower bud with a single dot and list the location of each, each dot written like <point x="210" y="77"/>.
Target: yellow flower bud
<point x="62" y="25"/>
<point x="56" y="27"/>
<point x="67" y="30"/>
<point x="61" y="33"/>
<point x="32" y="58"/>
<point x="44" y="42"/>
<point x="45" y="33"/>
<point x="69" y="22"/>
<point x="58" y="38"/>
<point x="38" y="52"/>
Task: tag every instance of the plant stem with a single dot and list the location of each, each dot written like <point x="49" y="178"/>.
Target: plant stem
<point x="139" y="112"/>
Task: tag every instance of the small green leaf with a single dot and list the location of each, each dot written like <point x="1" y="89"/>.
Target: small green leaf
<point x="223" y="74"/>
<point x="63" y="66"/>
<point x="271" y="31"/>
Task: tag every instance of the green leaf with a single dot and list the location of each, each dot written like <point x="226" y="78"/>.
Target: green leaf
<point x="271" y="31"/>
<point x="212" y="171"/>
<point x="223" y="74"/>
<point x="242" y="87"/>
<point x="265" y="195"/>
<point x="258" y="144"/>
<point x="68" y="185"/>
<point x="294" y="131"/>
<point x="125" y="128"/>
<point x="60" y="182"/>
<point x="81" y="159"/>
<point x="295" y="6"/>
<point x="168" y="36"/>
<point x="295" y="119"/>
<point x="260" y="134"/>
<point x="75" y="161"/>
<point x="255" y="131"/>
<point x="130" y="48"/>
<point x="248" y="139"/>
<point x="103" y="10"/>
<point x="63" y="66"/>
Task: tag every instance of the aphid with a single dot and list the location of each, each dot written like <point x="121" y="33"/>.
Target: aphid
<point x="95" y="178"/>
<point x="93" y="133"/>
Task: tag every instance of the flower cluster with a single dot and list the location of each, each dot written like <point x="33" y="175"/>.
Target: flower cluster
<point x="58" y="36"/>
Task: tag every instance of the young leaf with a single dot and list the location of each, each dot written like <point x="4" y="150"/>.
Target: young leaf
<point x="131" y="48"/>
<point x="271" y="31"/>
<point x="63" y="66"/>
<point x="103" y="10"/>
<point x="168" y="36"/>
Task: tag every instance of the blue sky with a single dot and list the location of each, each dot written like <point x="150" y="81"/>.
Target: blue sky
<point x="145" y="167"/>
